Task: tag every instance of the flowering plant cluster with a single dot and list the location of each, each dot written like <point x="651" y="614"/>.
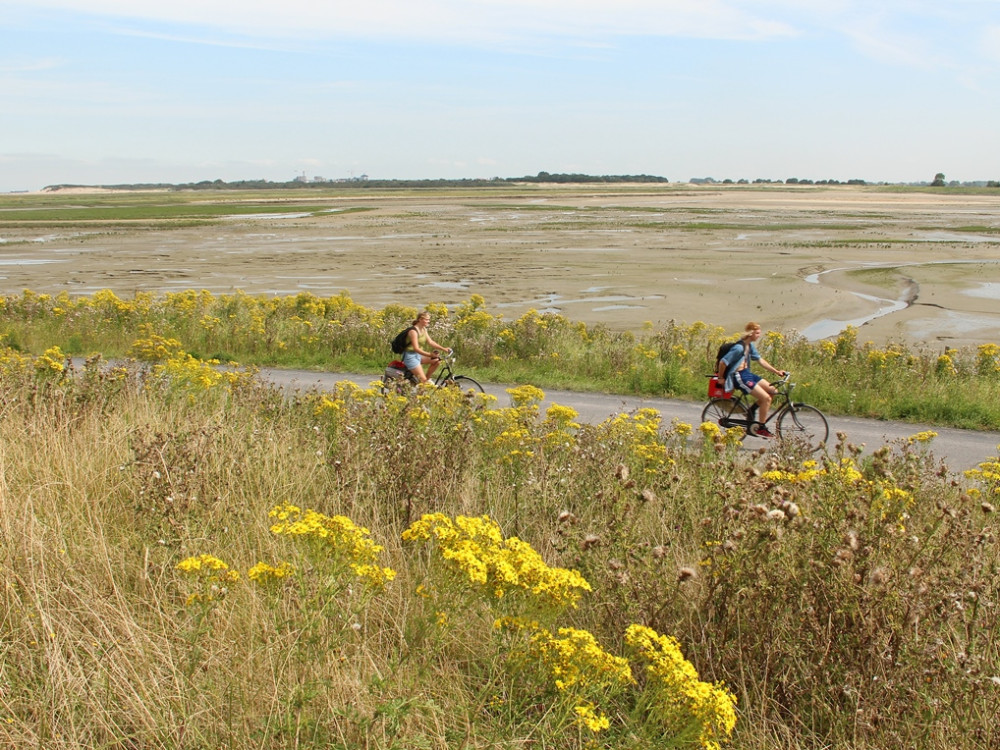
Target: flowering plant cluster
<point x="685" y="704"/>
<point x="477" y="551"/>
<point x="336" y="536"/>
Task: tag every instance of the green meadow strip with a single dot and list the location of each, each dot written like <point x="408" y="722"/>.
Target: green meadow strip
<point x="946" y="386"/>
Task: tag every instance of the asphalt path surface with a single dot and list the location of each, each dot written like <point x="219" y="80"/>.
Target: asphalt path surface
<point x="958" y="449"/>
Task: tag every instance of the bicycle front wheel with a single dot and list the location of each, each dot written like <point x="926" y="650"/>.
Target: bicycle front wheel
<point x="463" y="383"/>
<point x="803" y="423"/>
<point x="723" y="408"/>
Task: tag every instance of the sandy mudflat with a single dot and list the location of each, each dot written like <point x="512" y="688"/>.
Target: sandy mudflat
<point x="809" y="260"/>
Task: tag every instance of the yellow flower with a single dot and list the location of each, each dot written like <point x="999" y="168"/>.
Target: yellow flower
<point x="51" y="361"/>
<point x="339" y="536"/>
<point x="201" y="563"/>
<point x="710" y="430"/>
<point x="264" y="573"/>
<point x="476" y="550"/>
<point x="681" y="428"/>
<point x="679" y="697"/>
<point x="526" y="395"/>
<point x="576" y="661"/>
<point x="593" y="720"/>
<point x="563" y="415"/>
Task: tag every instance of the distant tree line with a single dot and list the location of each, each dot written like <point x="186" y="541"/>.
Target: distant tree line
<point x="547" y="177"/>
<point x="541" y="177"/>
<point x="763" y="181"/>
<point x="300" y="184"/>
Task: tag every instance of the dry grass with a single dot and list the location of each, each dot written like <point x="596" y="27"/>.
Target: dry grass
<point x="846" y="603"/>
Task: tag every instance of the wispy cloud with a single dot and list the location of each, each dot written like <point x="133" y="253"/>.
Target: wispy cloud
<point x="203" y="39"/>
<point x="445" y="20"/>
<point x="9" y="67"/>
<point x="874" y="37"/>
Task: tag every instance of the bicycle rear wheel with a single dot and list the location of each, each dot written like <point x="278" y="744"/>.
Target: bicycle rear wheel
<point x="723" y="408"/>
<point x="803" y="423"/>
<point x="463" y="383"/>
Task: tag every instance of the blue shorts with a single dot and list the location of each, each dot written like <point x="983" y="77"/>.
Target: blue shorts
<point x="411" y="359"/>
<point x="746" y="380"/>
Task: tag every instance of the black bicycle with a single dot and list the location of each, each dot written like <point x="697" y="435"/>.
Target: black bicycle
<point x="397" y="379"/>
<point x="792" y="420"/>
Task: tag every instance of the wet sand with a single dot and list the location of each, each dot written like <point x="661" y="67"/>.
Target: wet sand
<point x="916" y="268"/>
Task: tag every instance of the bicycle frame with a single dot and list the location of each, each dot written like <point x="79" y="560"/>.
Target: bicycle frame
<point x="443" y="373"/>
<point x="746" y="404"/>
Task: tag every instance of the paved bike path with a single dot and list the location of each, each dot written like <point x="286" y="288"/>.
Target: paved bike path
<point x="959" y="449"/>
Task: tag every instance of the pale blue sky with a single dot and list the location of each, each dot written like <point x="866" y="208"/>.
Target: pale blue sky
<point x="117" y="91"/>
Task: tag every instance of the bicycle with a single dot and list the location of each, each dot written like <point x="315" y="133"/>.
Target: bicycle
<point x="792" y="420"/>
<point x="397" y="379"/>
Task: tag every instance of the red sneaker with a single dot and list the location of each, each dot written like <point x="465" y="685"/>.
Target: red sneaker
<point x="763" y="432"/>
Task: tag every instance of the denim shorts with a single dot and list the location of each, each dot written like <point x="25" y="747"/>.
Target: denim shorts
<point x="411" y="359"/>
<point x="746" y="380"/>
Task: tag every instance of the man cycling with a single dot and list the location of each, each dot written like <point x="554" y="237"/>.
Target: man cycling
<point x="734" y="371"/>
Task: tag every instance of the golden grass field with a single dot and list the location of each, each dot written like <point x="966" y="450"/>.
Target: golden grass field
<point x="807" y="259"/>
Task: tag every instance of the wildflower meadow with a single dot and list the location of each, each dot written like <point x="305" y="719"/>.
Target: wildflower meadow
<point x="192" y="558"/>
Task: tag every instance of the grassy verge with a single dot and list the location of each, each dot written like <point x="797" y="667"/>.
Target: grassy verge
<point x="953" y="387"/>
<point x="190" y="560"/>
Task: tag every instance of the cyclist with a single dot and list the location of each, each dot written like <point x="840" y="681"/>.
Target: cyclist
<point x="734" y="371"/>
<point x="418" y="349"/>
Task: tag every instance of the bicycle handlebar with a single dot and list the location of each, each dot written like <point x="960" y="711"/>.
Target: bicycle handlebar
<point x="784" y="384"/>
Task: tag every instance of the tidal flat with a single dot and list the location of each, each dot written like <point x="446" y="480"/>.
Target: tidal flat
<point x="902" y="265"/>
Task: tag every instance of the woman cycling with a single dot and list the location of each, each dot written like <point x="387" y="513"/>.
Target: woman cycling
<point x="419" y="346"/>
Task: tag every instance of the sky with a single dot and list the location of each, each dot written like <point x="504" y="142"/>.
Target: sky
<point x="105" y="92"/>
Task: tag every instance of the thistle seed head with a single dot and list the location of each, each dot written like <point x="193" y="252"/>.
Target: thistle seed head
<point x="878" y="576"/>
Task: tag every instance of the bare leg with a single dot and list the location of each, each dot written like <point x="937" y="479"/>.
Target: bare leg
<point x="762" y="393"/>
<point x="418" y="373"/>
<point x="432" y="364"/>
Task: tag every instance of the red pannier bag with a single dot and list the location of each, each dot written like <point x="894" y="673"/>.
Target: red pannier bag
<point x="716" y="389"/>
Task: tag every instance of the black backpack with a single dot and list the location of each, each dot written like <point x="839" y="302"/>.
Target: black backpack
<point x="399" y="343"/>
<point x="725" y="349"/>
